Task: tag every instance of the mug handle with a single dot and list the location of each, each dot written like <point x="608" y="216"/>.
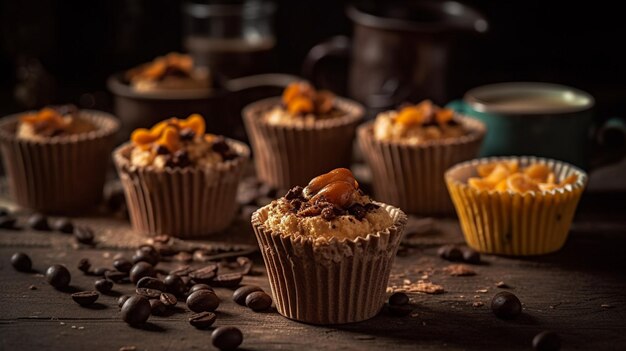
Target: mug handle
<point x="338" y="47"/>
<point x="609" y="143"/>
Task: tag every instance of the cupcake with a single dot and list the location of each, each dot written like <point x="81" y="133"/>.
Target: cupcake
<point x="515" y="205"/>
<point x="178" y="180"/>
<point x="409" y="149"/>
<point x="300" y="135"/>
<point x="56" y="158"/>
<point x="328" y="250"/>
<point x="173" y="71"/>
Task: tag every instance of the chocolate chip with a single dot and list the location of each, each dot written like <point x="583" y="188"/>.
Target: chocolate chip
<point x="123" y="265"/>
<point x="140" y="270"/>
<point x="38" y="221"/>
<point x="202" y="320"/>
<point x="168" y="299"/>
<point x="103" y="285"/>
<point x="58" y="276"/>
<point x="258" y="301"/>
<point x="547" y="341"/>
<point x="220" y="145"/>
<point x="151" y="283"/>
<point x="328" y="214"/>
<point x="239" y="296"/>
<point x="63" y="225"/>
<point x="84" y="235"/>
<point x="505" y="305"/>
<point x="161" y="150"/>
<point x="398" y="299"/>
<point x="358" y="211"/>
<point x="157" y="307"/>
<point x="228" y="280"/>
<point x="136" y="310"/>
<point x="85" y="298"/>
<point x="294" y="193"/>
<point x="187" y="134"/>
<point x="21" y="262"/>
<point x="202" y="301"/>
<point x="227" y="338"/>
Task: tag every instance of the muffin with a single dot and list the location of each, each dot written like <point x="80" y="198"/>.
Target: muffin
<point x="409" y="149"/>
<point x="328" y="250"/>
<point x="178" y="180"/>
<point x="515" y="205"/>
<point x="56" y="158"/>
<point x="300" y="135"/>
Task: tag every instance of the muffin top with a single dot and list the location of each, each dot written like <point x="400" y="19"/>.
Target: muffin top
<point x="416" y="124"/>
<point x="173" y="71"/>
<point x="507" y="176"/>
<point x="302" y="104"/>
<point x="54" y="121"/>
<point x="330" y="206"/>
<point x="178" y="143"/>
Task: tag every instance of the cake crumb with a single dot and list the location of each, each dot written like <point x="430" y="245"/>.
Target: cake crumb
<point x="606" y="305"/>
<point x="482" y="291"/>
<point x="478" y="304"/>
<point x="32" y="287"/>
<point x="502" y="285"/>
<point x="459" y="270"/>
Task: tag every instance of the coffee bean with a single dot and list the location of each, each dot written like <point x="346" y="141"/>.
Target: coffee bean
<point x="136" y="310"/>
<point x="202" y="320"/>
<point x="204" y="274"/>
<point x="58" y="276"/>
<point x="148" y="293"/>
<point x="38" y="221"/>
<point x="398" y="299"/>
<point x="4" y="211"/>
<point x="146" y="253"/>
<point x="103" y="285"/>
<point x="197" y="287"/>
<point x="239" y="296"/>
<point x="84" y="235"/>
<point x="547" y="341"/>
<point x="505" y="305"/>
<point x="168" y="299"/>
<point x="470" y="255"/>
<point x="140" y="270"/>
<point x="85" y="298"/>
<point x="21" y="262"/>
<point x="227" y="338"/>
<point x="258" y="301"/>
<point x="63" y="225"/>
<point x="246" y="265"/>
<point x="116" y="276"/>
<point x="121" y="300"/>
<point x="183" y="271"/>
<point x="7" y="222"/>
<point x="203" y="301"/>
<point x="400" y="310"/>
<point x="157" y="307"/>
<point x="175" y="284"/>
<point x="450" y="253"/>
<point x="84" y="265"/>
<point x="100" y="271"/>
<point x="228" y="280"/>
<point x="123" y="265"/>
<point x="152" y="283"/>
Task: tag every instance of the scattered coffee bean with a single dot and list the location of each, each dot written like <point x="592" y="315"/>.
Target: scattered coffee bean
<point x="197" y="287"/>
<point x="84" y="235"/>
<point x="123" y="265"/>
<point x="228" y="280"/>
<point x="400" y="310"/>
<point x="136" y="310"/>
<point x="141" y="269"/>
<point x="547" y="341"/>
<point x="146" y="253"/>
<point x="398" y="299"/>
<point x="239" y="296"/>
<point x="121" y="300"/>
<point x="84" y="265"/>
<point x="168" y="299"/>
<point x="116" y="276"/>
<point x="505" y="305"/>
<point x="100" y="271"/>
<point x="103" y="285"/>
<point x="258" y="301"/>
<point x="58" y="276"/>
<point x="203" y="301"/>
<point x="227" y="338"/>
<point x="85" y="298"/>
<point x="148" y="293"/>
<point x="38" y="221"/>
<point x="63" y="225"/>
<point x="21" y="262"/>
<point x="202" y="320"/>
<point x="7" y="222"/>
<point x="152" y="283"/>
<point x="450" y="253"/>
<point x="183" y="271"/>
<point x="246" y="265"/>
<point x="175" y="284"/>
<point x="205" y="274"/>
<point x="470" y="255"/>
<point x="157" y="307"/>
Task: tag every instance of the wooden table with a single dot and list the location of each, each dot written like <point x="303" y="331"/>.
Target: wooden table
<point x="579" y="292"/>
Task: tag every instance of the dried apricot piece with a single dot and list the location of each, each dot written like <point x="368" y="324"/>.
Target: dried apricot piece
<point x="479" y="184"/>
<point x="571" y="179"/>
<point x="170" y="139"/>
<point x="502" y="185"/>
<point x="444" y="115"/>
<point x="410" y="115"/>
<point x="142" y="136"/>
<point x="499" y="173"/>
<point x="521" y="183"/>
<point x="297" y="89"/>
<point x="485" y="169"/>
<point x="338" y="193"/>
<point x="538" y="172"/>
<point x="547" y="186"/>
<point x="300" y="105"/>
<point x="324" y="101"/>
<point x="194" y="122"/>
<point x="338" y="174"/>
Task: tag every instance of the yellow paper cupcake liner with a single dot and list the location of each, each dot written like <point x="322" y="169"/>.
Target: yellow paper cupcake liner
<point x="512" y="223"/>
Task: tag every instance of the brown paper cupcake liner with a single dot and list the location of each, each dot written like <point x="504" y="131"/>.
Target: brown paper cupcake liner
<point x="285" y="156"/>
<point x="511" y="223"/>
<point x="411" y="176"/>
<point x="333" y="282"/>
<point x="185" y="203"/>
<point x="60" y="175"/>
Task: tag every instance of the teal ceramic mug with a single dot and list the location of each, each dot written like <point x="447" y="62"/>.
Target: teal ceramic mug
<point x="541" y="119"/>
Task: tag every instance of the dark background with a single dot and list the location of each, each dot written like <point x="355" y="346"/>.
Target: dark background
<point x="79" y="43"/>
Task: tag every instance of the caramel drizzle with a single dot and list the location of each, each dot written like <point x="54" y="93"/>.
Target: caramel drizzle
<point x="172" y="64"/>
<point x="168" y="133"/>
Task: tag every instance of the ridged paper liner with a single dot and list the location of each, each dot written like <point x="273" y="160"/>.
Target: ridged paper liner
<point x="60" y="175"/>
<point x="411" y="176"/>
<point x="186" y="203"/>
<point x="510" y="223"/>
<point x="285" y="156"/>
<point x="330" y="282"/>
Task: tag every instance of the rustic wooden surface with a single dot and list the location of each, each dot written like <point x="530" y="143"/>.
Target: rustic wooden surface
<point x="579" y="292"/>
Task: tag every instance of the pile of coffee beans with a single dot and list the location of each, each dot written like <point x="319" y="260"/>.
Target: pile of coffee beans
<point x="459" y="254"/>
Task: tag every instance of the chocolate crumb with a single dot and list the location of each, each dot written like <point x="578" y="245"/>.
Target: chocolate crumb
<point x="358" y="211"/>
<point x="294" y="193"/>
<point x="328" y="214"/>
